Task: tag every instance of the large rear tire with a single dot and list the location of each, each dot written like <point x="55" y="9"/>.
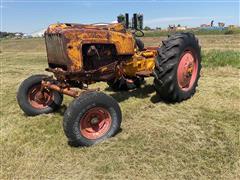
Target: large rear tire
<point x="91" y="118"/>
<point x="33" y="101"/>
<point x="177" y="67"/>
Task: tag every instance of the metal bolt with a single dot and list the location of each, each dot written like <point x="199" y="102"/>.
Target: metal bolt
<point x="94" y="120"/>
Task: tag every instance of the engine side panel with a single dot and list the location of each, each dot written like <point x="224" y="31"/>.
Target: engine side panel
<point x="66" y="48"/>
<point x="142" y="63"/>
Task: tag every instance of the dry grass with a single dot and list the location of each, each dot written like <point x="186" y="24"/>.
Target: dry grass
<point x="208" y="42"/>
<point x="198" y="138"/>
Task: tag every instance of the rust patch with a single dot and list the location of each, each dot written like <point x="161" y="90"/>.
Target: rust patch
<point x="65" y="89"/>
<point x="65" y="48"/>
<point x="73" y="48"/>
<point x="101" y="74"/>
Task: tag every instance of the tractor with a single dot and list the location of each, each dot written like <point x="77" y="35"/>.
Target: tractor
<point x="79" y="55"/>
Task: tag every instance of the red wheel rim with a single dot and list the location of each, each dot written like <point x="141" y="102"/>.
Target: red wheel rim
<point x="40" y="99"/>
<point x="187" y="70"/>
<point x="95" y="123"/>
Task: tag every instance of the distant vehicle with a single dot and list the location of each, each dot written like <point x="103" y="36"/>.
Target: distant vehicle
<point x="26" y="36"/>
<point x="18" y="35"/>
<point x="38" y="33"/>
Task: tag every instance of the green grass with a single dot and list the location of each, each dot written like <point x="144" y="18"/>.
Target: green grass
<point x="157" y="33"/>
<point x="195" y="139"/>
<point x="216" y="58"/>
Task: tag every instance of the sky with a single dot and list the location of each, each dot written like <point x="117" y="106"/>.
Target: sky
<point x="30" y="16"/>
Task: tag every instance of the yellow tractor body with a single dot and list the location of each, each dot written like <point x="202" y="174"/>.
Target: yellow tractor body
<point x="98" y="47"/>
<point x="79" y="55"/>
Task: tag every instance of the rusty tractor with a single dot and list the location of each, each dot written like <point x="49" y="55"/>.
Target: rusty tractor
<point x="79" y="55"/>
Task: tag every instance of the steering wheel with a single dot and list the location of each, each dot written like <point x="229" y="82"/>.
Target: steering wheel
<point x="135" y="33"/>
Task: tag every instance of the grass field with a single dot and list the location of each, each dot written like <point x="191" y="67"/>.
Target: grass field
<point x="227" y="31"/>
<point x="196" y="139"/>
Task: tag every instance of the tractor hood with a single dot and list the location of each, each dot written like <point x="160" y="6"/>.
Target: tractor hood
<point x="58" y="28"/>
<point x="64" y="42"/>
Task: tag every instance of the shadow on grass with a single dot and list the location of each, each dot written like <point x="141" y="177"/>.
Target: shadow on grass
<point x="79" y="145"/>
<point x="142" y="93"/>
<point x="156" y="99"/>
<point x="120" y="96"/>
<point x="61" y="110"/>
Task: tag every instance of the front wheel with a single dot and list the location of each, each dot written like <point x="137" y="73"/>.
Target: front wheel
<point x="33" y="100"/>
<point x="91" y="118"/>
<point x="177" y="67"/>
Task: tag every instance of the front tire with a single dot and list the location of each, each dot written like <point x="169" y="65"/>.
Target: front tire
<point x="91" y="118"/>
<point x="177" y="67"/>
<point x="33" y="101"/>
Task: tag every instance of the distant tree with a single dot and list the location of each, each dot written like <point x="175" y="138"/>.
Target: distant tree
<point x="146" y="28"/>
<point x="10" y="34"/>
<point x="158" y="28"/>
<point x="3" y="34"/>
<point x="6" y="34"/>
<point x="179" y="25"/>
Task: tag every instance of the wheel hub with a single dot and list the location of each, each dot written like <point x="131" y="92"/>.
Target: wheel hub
<point x="39" y="99"/>
<point x="187" y="70"/>
<point x="95" y="123"/>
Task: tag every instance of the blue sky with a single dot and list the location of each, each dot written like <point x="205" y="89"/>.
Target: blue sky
<point x="29" y="15"/>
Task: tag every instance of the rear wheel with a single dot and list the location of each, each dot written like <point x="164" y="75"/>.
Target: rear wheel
<point x="91" y="118"/>
<point x="33" y="100"/>
<point x="178" y="67"/>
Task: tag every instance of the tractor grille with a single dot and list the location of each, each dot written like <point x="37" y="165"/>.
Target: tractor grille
<point x="55" y="50"/>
